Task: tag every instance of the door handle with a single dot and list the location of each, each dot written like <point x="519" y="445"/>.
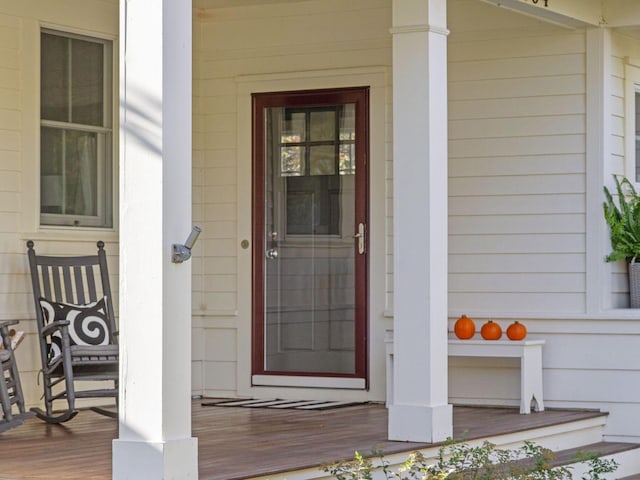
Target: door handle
<point x="362" y="237"/>
<point x="272" y="253"/>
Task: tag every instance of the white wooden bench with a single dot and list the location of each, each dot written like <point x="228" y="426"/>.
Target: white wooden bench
<point x="528" y="351"/>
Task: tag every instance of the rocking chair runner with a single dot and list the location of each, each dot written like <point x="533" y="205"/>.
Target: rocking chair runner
<point x="10" y="386"/>
<point x="76" y="329"/>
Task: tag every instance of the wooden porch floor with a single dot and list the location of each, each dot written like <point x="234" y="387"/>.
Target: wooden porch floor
<point x="240" y="443"/>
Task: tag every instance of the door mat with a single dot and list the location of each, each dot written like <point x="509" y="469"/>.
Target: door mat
<point x="275" y="403"/>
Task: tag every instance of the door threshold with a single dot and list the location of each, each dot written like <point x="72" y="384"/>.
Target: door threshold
<point x="308" y="382"/>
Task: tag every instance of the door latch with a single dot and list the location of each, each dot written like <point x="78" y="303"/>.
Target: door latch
<point x="361" y="236"/>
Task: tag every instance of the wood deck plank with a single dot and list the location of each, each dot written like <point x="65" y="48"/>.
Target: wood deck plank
<point x="237" y="443"/>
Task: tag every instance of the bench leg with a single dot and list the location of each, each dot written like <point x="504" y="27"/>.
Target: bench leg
<point x="531" y="381"/>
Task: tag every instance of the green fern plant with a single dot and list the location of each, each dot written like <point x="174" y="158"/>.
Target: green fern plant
<point x="623" y="220"/>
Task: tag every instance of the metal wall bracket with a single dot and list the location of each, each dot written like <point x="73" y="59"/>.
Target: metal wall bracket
<point x="182" y="253"/>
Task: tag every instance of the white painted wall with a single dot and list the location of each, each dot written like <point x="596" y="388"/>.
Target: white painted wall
<point x="516" y="163"/>
<point x="289" y="46"/>
<point x="19" y="156"/>
<point x="522" y="233"/>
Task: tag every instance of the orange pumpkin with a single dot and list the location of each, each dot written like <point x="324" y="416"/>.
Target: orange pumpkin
<point x="464" y="328"/>
<point x="491" y="331"/>
<point x="516" y="331"/>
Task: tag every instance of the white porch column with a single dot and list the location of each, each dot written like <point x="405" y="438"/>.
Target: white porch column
<point x="155" y="439"/>
<point x="420" y="411"/>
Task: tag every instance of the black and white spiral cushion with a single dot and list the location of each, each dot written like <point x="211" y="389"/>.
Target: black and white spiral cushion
<point x="88" y="324"/>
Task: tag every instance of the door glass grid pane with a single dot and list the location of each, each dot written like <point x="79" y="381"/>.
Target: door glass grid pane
<point x="322" y="160"/>
<point x="323" y="126"/>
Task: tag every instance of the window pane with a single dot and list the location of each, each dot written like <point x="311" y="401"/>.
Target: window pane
<point x="348" y="122"/>
<point x="323" y="126"/>
<point x="322" y="160"/>
<point x="293" y="127"/>
<point x="87" y="65"/>
<point x="292" y="161"/>
<point x="313" y="205"/>
<point x="69" y="172"/>
<point x="54" y="83"/>
<point x="347" y="159"/>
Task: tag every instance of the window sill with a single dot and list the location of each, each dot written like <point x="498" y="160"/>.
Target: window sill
<point x="76" y="234"/>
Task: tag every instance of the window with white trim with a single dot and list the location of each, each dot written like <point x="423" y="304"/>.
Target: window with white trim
<point x="76" y="130"/>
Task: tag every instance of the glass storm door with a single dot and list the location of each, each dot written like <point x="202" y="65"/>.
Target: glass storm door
<point x="310" y="234"/>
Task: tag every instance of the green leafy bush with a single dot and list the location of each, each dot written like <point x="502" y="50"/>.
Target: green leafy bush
<point x="623" y="220"/>
<point x="461" y="461"/>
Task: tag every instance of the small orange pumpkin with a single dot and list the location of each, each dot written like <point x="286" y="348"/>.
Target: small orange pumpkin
<point x="516" y="331"/>
<point x="464" y="328"/>
<point x="491" y="331"/>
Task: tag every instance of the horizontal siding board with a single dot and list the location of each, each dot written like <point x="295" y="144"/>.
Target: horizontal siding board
<point x="220" y="377"/>
<point x="505" y="224"/>
<point x="557" y="125"/>
<point x="503" y="146"/>
<point x="10" y="98"/>
<point x="220" y="247"/>
<point x="516" y="185"/>
<point x="517" y="47"/>
<point x="220" y="265"/>
<point x="297" y="28"/>
<point x="517" y="282"/>
<point x="514" y="263"/>
<point x="219" y="300"/>
<point x="516" y="107"/>
<point x="219" y="229"/>
<point x="512" y="88"/>
<point x="516" y="204"/>
<point x="10" y="140"/>
<point x="258" y="51"/>
<point x="10" y="181"/>
<point x="518" y="244"/>
<point x="531" y="303"/>
<point x="515" y="68"/>
<point x="220" y="344"/>
<point x="592" y="352"/>
<point x="302" y="61"/>
<point x="516" y="165"/>
<point x="9" y="201"/>
<point x="594" y="385"/>
<point x="220" y="176"/>
<point x="219" y="212"/>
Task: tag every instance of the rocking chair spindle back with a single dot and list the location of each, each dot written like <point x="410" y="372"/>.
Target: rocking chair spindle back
<point x="76" y="329"/>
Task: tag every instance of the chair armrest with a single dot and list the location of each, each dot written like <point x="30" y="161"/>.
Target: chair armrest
<point x="4" y="332"/>
<point x="53" y="326"/>
<point x="8" y="323"/>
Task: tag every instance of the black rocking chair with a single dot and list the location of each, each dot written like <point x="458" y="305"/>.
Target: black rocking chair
<point x="10" y="387"/>
<point x="76" y="329"/>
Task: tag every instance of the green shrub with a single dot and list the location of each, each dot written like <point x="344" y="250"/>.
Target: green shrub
<point x="461" y="461"/>
<point x="623" y="220"/>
